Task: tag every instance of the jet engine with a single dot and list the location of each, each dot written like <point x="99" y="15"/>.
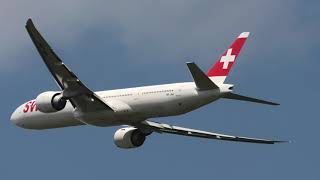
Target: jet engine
<point x="50" y="101"/>
<point x="129" y="137"/>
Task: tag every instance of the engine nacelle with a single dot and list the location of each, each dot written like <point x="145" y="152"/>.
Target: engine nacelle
<point x="50" y="101"/>
<point x="129" y="137"/>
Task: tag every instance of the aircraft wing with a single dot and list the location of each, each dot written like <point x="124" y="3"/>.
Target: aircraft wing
<point x="72" y="88"/>
<point x="165" y="128"/>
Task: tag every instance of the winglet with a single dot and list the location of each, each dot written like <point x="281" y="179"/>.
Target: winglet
<point x="29" y="20"/>
<point x="201" y="80"/>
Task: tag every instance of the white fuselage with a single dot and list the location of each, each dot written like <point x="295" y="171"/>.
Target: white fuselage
<point x="130" y="105"/>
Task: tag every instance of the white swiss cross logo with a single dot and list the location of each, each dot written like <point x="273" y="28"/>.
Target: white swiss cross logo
<point x="226" y="59"/>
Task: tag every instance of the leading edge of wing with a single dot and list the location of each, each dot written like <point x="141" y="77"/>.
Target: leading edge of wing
<point x="166" y="128"/>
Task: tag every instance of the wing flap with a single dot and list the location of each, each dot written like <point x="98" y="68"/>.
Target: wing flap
<point x="166" y="128"/>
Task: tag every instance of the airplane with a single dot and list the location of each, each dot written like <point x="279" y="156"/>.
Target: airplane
<point x="132" y="108"/>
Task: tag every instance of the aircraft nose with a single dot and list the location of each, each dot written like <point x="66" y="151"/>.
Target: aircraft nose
<point x="16" y="117"/>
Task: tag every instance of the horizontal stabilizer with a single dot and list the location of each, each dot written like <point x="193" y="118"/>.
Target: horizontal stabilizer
<point x="200" y="78"/>
<point x="245" y="98"/>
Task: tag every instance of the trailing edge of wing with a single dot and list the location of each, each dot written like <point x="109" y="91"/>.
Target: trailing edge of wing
<point x="165" y="128"/>
<point x="245" y="98"/>
<point x="200" y="78"/>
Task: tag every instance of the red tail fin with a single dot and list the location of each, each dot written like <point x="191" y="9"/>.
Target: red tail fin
<point x="220" y="70"/>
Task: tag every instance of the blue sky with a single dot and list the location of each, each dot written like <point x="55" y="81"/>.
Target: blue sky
<point x="117" y="44"/>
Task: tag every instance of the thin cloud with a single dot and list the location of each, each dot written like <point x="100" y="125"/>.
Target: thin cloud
<point x="166" y="30"/>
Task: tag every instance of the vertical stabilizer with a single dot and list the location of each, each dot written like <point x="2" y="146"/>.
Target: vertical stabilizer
<point x="220" y="70"/>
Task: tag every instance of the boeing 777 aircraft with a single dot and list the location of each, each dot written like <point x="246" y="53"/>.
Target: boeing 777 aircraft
<point x="75" y="104"/>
